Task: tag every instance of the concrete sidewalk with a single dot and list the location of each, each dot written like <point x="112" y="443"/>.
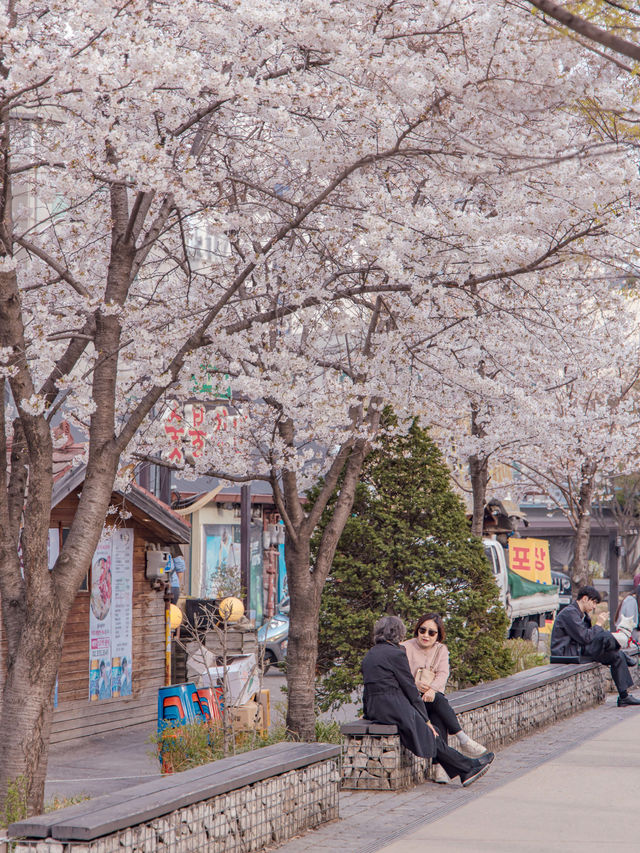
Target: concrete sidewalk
<point x="101" y="764"/>
<point x="558" y="790"/>
<point x="584" y="797"/>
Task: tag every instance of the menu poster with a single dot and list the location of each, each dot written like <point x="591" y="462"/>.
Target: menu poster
<point x="110" y="618"/>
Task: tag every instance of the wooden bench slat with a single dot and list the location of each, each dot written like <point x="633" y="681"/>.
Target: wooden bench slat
<point x="40" y="825"/>
<point x="163" y="795"/>
<point x="142" y="809"/>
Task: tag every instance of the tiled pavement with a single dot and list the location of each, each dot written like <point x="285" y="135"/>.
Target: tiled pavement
<point x="390" y="822"/>
<point x="371" y="822"/>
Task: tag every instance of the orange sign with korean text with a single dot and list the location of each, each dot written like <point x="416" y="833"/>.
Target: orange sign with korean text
<point x="529" y="558"/>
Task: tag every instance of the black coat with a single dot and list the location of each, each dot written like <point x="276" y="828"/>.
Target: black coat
<point x="391" y="696"/>
<point x="572" y="631"/>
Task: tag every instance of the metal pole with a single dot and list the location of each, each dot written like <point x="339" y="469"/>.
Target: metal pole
<point x="167" y="636"/>
<point x="613" y="579"/>
<point x="245" y="543"/>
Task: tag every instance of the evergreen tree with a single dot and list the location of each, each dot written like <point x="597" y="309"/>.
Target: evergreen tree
<point x="407" y="549"/>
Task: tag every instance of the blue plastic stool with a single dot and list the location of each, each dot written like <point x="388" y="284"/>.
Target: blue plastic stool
<point x="178" y="705"/>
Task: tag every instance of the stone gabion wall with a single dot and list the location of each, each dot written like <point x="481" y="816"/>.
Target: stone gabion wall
<point x="254" y="817"/>
<point x="372" y="762"/>
<point x="379" y="763"/>
<point x="509" y="719"/>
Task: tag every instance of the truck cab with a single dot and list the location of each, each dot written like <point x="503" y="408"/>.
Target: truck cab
<point x="527" y="613"/>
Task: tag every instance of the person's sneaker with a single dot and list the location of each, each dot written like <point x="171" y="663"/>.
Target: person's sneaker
<point x="440" y="775"/>
<point x="480" y="767"/>
<point x="628" y="700"/>
<point x="472" y="749"/>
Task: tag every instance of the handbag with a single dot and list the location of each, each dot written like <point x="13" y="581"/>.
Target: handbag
<point x="428" y="674"/>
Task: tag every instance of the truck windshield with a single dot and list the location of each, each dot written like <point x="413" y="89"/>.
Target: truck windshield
<point x="490" y="554"/>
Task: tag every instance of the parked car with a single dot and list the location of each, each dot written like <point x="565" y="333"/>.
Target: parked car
<point x="274" y="635"/>
<point x="563" y="582"/>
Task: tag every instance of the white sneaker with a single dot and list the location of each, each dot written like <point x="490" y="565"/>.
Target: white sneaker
<point x="440" y="775"/>
<point x="472" y="749"/>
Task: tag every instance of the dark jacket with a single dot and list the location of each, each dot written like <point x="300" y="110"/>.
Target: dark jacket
<point x="391" y="696"/>
<point x="572" y="631"/>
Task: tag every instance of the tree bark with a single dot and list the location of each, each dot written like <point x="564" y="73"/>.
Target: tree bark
<point x="27" y="705"/>
<point x="479" y="474"/>
<point x="302" y="648"/>
<point x="580" y="573"/>
<point x="306" y="581"/>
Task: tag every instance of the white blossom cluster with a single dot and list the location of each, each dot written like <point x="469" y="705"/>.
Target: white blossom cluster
<point x="338" y="205"/>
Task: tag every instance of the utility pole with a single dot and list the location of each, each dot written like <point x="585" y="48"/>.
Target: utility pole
<point x="245" y="543"/>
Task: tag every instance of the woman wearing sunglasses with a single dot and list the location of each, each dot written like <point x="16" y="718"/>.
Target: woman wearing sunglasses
<point x="429" y="663"/>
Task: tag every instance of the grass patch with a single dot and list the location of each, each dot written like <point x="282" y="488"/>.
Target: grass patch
<point x="62" y="802"/>
<point x="15" y="805"/>
<point x="184" y="747"/>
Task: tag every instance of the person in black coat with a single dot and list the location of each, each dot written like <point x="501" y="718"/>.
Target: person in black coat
<point x="391" y="697"/>
<point x="573" y="634"/>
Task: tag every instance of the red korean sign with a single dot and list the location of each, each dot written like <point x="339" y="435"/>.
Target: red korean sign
<point x="529" y="558"/>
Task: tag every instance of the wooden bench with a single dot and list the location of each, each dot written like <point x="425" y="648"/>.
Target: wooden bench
<point x="494" y="713"/>
<point x="244" y="803"/>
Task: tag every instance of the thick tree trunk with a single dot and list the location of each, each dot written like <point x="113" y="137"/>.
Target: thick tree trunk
<point x="306" y="583"/>
<point x="27" y="706"/>
<point x="302" y="648"/>
<point x="580" y="573"/>
<point x="479" y="474"/>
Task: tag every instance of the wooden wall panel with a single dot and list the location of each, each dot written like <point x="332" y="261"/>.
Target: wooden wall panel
<point x="75" y="715"/>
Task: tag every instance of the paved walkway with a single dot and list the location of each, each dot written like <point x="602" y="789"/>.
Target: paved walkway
<point x="569" y="787"/>
<point x="573" y="784"/>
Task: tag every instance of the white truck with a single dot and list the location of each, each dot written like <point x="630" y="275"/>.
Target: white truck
<point x="527" y="613"/>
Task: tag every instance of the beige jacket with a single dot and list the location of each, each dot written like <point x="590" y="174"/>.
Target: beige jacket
<point x="436" y="658"/>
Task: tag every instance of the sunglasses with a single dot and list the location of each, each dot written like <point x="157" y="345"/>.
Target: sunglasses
<point x="430" y="631"/>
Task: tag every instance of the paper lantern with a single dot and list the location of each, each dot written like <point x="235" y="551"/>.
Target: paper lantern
<point x="231" y="609"/>
<point x="175" y="616"/>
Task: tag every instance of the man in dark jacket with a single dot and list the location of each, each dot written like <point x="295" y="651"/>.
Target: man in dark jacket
<point x="573" y="634"/>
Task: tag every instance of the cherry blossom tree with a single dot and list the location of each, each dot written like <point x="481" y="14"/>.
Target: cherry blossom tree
<point x="586" y="433"/>
<point x="130" y="131"/>
<point x="310" y="196"/>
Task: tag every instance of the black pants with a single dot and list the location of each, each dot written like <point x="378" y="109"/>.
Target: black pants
<point x="605" y="649"/>
<point x="454" y="763"/>
<point x="442" y="716"/>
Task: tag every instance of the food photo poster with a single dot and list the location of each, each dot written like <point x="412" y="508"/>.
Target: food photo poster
<point x="111" y="616"/>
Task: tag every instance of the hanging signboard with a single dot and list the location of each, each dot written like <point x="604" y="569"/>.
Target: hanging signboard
<point x="110" y="616"/>
<point x="529" y="558"/>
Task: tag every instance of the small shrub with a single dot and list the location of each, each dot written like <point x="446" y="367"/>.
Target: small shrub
<point x="524" y="654"/>
<point x="15" y="804"/>
<point x="184" y="747"/>
<point x="328" y="731"/>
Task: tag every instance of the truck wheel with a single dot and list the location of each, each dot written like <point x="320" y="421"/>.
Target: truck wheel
<point x="532" y="633"/>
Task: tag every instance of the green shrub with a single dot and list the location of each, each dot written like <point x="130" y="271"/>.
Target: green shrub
<point x="328" y="731"/>
<point x="184" y="747"/>
<point x="407" y="549"/>
<point x="524" y="654"/>
<point x="15" y="806"/>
